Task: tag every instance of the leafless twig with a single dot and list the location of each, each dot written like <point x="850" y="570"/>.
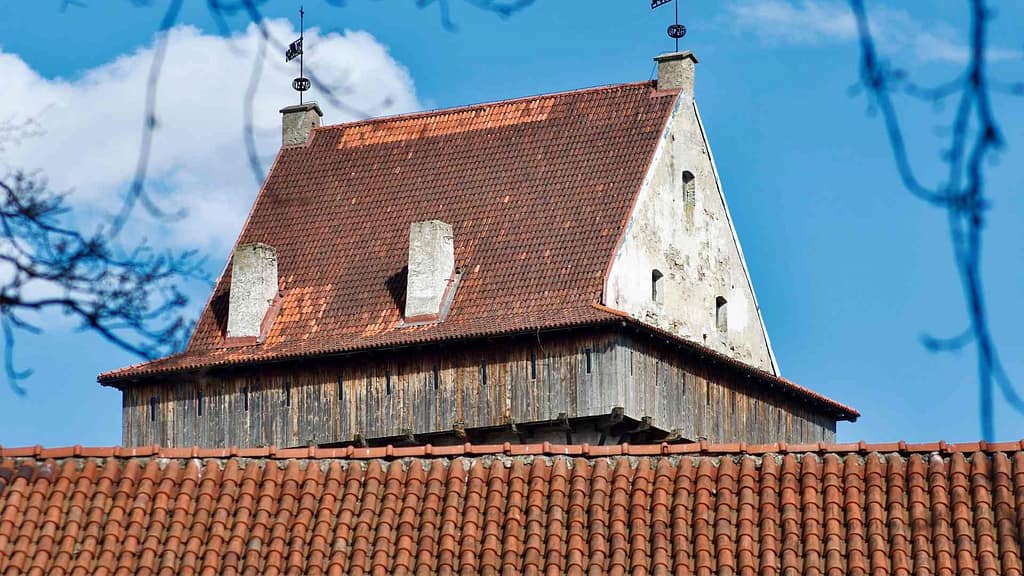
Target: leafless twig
<point x="975" y="139"/>
<point x="129" y="298"/>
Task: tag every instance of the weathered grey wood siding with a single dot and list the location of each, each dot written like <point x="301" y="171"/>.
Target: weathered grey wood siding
<point x="477" y="385"/>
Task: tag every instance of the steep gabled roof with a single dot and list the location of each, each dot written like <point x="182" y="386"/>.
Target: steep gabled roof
<point x="537" y="191"/>
<point x="507" y="509"/>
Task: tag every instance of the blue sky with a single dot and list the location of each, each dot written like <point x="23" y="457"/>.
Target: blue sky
<point x="849" y="269"/>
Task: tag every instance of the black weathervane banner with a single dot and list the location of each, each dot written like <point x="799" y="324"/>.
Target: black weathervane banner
<point x="294" y="50"/>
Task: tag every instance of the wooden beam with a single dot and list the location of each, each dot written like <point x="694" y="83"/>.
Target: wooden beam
<point x="408" y="437"/>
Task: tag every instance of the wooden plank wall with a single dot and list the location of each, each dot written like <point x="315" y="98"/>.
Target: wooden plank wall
<point x="704" y="400"/>
<point x="477" y="385"/>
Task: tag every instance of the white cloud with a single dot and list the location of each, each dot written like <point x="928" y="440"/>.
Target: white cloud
<point x="92" y="125"/>
<point x="812" y="22"/>
<point x="805" y="22"/>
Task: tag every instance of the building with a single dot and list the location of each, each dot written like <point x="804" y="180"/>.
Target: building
<point x="554" y="268"/>
<point x="423" y="304"/>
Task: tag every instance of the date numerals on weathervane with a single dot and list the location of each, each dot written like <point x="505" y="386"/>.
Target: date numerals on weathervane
<point x="677" y="30"/>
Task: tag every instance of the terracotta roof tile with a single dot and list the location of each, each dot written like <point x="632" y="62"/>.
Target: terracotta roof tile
<point x="841" y="509"/>
<point x="338" y="212"/>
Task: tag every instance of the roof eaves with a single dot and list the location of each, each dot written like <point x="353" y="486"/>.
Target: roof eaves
<point x="140" y="370"/>
<point x="702" y="448"/>
<point x="845" y="412"/>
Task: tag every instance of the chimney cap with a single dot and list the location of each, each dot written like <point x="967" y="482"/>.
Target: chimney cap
<point x="670" y="56"/>
<point x="305" y="107"/>
<point x="675" y="71"/>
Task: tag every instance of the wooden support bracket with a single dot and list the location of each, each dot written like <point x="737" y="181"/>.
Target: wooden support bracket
<point x="645" y="424"/>
<point x="408" y="436"/>
<point x="563" y="421"/>
<point x="676" y="435"/>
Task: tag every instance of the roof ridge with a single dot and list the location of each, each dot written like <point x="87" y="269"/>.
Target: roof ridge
<point x="469" y="107"/>
<point x="702" y="448"/>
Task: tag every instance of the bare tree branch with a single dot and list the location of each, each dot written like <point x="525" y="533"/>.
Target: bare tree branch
<point x="250" y="95"/>
<point x="130" y="298"/>
<point x="975" y="139"/>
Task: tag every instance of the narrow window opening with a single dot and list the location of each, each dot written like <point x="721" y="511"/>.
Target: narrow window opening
<point x="533" y="365"/>
<point x="656" y="288"/>
<point x="721" y="318"/>
<point x="245" y="398"/>
<point x="152" y="408"/>
<point x="288" y="394"/>
<point x="586" y="355"/>
<point x="387" y="382"/>
<point x="689" y="196"/>
<point x="437" y="376"/>
<point x="341" y="387"/>
<point x="199" y="403"/>
<point x="483" y="372"/>
<point x="630" y="362"/>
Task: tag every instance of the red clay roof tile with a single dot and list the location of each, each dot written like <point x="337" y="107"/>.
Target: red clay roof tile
<point x="338" y="212"/>
<point x="842" y="509"/>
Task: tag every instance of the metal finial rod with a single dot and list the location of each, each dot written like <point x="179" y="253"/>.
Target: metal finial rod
<point x="677" y="30"/>
<point x="300" y="84"/>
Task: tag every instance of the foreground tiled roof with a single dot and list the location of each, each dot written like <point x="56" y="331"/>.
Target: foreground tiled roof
<point x="505" y="509"/>
<point x="537" y="191"/>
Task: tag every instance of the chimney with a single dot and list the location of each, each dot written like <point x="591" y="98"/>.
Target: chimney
<point x="675" y="71"/>
<point x="253" y="288"/>
<point x="297" y="121"/>
<point x="431" y="265"/>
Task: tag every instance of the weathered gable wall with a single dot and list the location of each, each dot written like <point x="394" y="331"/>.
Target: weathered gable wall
<point x="690" y="240"/>
<point x="478" y="385"/>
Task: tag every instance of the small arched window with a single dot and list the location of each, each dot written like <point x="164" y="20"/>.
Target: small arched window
<point x="689" y="196"/>
<point x="721" y="319"/>
<point x="656" y="287"/>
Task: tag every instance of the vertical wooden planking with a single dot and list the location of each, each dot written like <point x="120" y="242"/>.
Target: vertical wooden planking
<point x="680" y="390"/>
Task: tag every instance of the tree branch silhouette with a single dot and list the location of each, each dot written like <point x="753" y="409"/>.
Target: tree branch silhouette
<point x="130" y="297"/>
<point x="961" y="192"/>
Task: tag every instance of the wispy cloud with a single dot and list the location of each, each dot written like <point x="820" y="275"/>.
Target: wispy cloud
<point x="804" y="22"/>
<point x="819" y="22"/>
<point x="86" y="133"/>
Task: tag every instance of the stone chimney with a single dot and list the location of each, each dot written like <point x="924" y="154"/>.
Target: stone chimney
<point x="297" y="122"/>
<point x="675" y="71"/>
<point x="431" y="268"/>
<point x="253" y="288"/>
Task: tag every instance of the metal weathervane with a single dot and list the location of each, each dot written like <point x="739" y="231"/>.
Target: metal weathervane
<point x="677" y="30"/>
<point x="300" y="84"/>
